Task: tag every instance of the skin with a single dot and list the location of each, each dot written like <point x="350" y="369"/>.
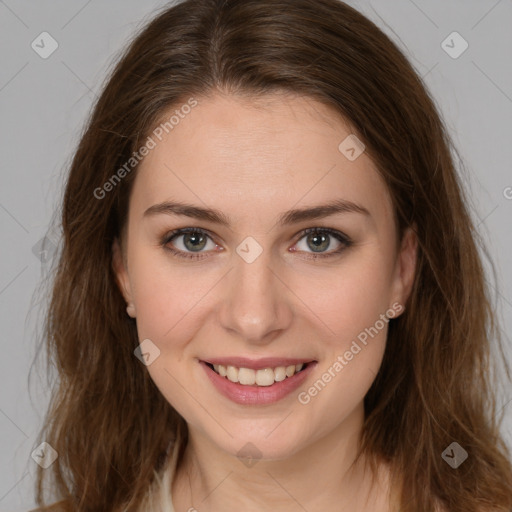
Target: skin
<point x="254" y="160"/>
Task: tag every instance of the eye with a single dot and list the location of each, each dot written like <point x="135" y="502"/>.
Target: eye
<point x="192" y="239"/>
<point x="319" y="240"/>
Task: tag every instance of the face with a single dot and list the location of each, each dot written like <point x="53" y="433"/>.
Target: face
<point x="263" y="280"/>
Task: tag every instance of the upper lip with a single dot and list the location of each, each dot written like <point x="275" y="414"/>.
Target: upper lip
<point x="257" y="364"/>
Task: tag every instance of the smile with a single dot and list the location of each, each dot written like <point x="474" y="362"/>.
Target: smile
<point x="262" y="377"/>
<point x="268" y="381"/>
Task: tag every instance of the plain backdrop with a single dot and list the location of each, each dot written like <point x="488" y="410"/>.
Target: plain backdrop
<point x="45" y="101"/>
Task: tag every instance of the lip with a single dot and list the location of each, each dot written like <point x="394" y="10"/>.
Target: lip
<point x="256" y="364"/>
<point x="257" y="395"/>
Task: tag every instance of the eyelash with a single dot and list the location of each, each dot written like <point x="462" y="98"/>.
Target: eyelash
<point x="341" y="237"/>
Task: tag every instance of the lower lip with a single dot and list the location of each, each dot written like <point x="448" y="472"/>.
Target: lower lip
<point x="257" y="395"/>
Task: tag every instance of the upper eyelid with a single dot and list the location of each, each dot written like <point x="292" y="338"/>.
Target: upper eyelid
<point x="183" y="231"/>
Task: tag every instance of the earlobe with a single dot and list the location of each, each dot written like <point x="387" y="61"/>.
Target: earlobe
<point x="130" y="309"/>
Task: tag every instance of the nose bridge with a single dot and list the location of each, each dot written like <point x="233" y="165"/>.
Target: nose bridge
<point x="255" y="302"/>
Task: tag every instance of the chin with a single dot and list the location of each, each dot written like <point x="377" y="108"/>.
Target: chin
<point x="267" y="444"/>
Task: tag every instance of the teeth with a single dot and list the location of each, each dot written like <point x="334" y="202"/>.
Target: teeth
<point x="280" y="373"/>
<point x="247" y="376"/>
<point x="290" y="370"/>
<point x="232" y="373"/>
<point x="263" y="377"/>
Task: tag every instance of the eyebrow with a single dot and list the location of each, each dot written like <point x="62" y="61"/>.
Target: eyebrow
<point x="290" y="217"/>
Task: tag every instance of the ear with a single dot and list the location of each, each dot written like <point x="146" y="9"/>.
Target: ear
<point x="121" y="273"/>
<point x="405" y="269"/>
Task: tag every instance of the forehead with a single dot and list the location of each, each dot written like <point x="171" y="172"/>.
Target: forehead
<point x="246" y="155"/>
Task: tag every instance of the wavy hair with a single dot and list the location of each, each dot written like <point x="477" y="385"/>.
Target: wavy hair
<point x="109" y="423"/>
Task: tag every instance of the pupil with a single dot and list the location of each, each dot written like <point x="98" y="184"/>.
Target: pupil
<point x="195" y="239"/>
<point x="320" y="241"/>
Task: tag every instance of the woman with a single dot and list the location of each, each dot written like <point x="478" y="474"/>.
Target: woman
<point x="269" y="295"/>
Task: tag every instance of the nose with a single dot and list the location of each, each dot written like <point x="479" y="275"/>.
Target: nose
<point x="255" y="301"/>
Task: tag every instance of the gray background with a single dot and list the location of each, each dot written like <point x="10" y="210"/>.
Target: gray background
<point x="44" y="103"/>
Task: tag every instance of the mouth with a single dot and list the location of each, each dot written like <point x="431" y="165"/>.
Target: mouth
<point x="260" y="377"/>
<point x="259" y="382"/>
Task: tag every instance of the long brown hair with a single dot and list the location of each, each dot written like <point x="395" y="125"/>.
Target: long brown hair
<point x="108" y="421"/>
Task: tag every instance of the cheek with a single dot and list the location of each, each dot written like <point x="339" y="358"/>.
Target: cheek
<point x="350" y="298"/>
<point x="166" y="297"/>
